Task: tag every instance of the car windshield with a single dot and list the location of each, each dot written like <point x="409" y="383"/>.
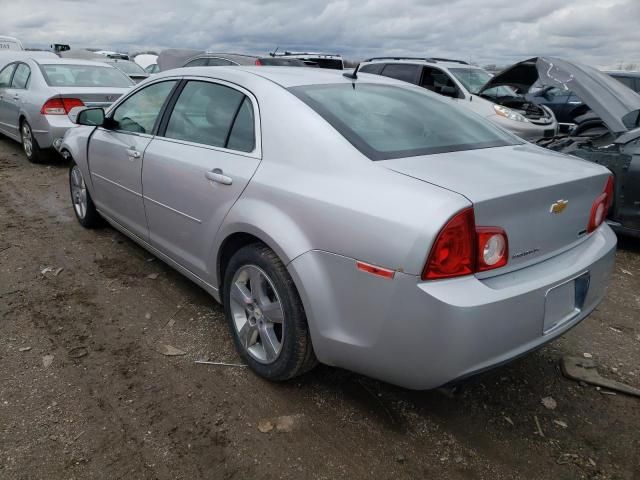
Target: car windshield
<point x="130" y="68"/>
<point x="388" y="121"/>
<point x="57" y="75"/>
<point x="474" y="79"/>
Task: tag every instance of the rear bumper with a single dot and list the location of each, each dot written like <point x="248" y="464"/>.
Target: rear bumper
<point x="422" y="335"/>
<point x="52" y="128"/>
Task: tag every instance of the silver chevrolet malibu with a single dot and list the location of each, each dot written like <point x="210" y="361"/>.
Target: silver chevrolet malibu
<point x="361" y="222"/>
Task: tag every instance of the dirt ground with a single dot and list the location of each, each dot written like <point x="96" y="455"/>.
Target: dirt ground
<point x="86" y="393"/>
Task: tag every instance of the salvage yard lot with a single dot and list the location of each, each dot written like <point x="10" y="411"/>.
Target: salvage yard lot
<point x="85" y="389"/>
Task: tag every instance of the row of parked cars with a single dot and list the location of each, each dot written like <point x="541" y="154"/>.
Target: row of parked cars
<point x="390" y="226"/>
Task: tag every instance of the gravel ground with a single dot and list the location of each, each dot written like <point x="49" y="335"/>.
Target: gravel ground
<point x="86" y="393"/>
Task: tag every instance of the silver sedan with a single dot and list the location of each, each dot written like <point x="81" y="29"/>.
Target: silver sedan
<point x="37" y="93"/>
<point x="360" y="222"/>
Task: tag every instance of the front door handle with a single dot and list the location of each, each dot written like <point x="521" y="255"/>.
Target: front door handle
<point x="217" y="176"/>
<point x="133" y="154"/>
<point x="16" y="97"/>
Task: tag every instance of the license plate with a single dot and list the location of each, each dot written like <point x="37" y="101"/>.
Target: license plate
<point x="564" y="302"/>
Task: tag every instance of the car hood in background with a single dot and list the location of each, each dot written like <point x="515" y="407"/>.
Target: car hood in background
<point x="617" y="105"/>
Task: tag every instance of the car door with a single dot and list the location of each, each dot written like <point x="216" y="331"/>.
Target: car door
<point x="116" y="153"/>
<point x="5" y="84"/>
<point x="15" y="97"/>
<point x="206" y="151"/>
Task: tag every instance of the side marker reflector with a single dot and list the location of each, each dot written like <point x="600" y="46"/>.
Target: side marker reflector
<point x="374" y="270"/>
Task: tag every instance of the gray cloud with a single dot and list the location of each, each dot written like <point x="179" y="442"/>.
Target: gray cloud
<point x="600" y="32"/>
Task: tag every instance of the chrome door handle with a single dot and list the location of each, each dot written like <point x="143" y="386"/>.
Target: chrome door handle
<point x="133" y="154"/>
<point x="16" y="97"/>
<point x="216" y="175"/>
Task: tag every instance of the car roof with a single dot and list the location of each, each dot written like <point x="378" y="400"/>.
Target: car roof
<point x="17" y="55"/>
<point x="69" y="61"/>
<point x="441" y="62"/>
<point x="284" y="76"/>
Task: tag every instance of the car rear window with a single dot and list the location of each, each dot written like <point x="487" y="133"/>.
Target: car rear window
<point x="58" y="75"/>
<point x="388" y="121"/>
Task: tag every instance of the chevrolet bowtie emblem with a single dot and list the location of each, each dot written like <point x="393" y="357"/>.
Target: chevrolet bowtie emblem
<point x="559" y="206"/>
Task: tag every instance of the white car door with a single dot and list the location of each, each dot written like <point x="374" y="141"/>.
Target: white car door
<point x="116" y="152"/>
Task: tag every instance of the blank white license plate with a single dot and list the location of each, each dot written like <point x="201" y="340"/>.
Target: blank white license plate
<point x="564" y="302"/>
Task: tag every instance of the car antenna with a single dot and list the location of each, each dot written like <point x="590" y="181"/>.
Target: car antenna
<point x="273" y="54"/>
<point x="353" y="75"/>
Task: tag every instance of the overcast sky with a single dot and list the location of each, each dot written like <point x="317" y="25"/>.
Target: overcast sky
<point x="603" y="33"/>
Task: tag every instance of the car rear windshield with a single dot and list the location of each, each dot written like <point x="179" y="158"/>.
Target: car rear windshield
<point x="130" y="68"/>
<point x="57" y="75"/>
<point x="388" y="121"/>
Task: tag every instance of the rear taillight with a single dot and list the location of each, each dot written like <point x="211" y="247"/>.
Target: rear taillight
<point x="462" y="248"/>
<point x="601" y="206"/>
<point x="258" y="62"/>
<point x="60" y="106"/>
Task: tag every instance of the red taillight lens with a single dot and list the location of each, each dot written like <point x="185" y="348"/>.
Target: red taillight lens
<point x="601" y="206"/>
<point x="60" y="106"/>
<point x="453" y="253"/>
<point x="258" y="62"/>
<point x="462" y="248"/>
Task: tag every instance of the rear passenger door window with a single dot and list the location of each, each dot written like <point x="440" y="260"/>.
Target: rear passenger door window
<point x="218" y="62"/>
<point x="21" y="76"/>
<point x="198" y="62"/>
<point x="212" y="114"/>
<point x="374" y="68"/>
<point x="402" y="71"/>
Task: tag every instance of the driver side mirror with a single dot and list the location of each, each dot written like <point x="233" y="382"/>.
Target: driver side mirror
<point x="448" y="91"/>
<point x="92" y="117"/>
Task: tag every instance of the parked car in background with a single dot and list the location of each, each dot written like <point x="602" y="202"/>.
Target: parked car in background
<point x="153" y="68"/>
<point x="132" y="69"/>
<point x="565" y="104"/>
<point x="10" y="43"/>
<point x="470" y="87"/>
<point x="321" y="60"/>
<point x="146" y="59"/>
<point x="483" y="248"/>
<point x="177" y="58"/>
<point x="112" y="54"/>
<point x="610" y="137"/>
<point x="629" y="79"/>
<point x="37" y="92"/>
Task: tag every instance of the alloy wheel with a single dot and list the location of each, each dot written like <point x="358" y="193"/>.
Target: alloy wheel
<point x="257" y="312"/>
<point x="78" y="192"/>
<point x="27" y="139"/>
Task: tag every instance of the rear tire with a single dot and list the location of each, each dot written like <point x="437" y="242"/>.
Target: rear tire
<point x="30" y="146"/>
<point x="265" y="315"/>
<point x="81" y="200"/>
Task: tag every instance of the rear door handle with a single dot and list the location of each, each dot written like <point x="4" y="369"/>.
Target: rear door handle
<point x="133" y="154"/>
<point x="217" y="176"/>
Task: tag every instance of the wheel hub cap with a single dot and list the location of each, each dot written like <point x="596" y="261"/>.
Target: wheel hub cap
<point x="257" y="312"/>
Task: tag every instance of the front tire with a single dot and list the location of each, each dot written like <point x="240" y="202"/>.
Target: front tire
<point x="265" y="315"/>
<point x="83" y="206"/>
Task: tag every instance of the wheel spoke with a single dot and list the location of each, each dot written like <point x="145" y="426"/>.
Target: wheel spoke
<point x="269" y="343"/>
<point x="256" y="283"/>
<point x="241" y="294"/>
<point x="273" y="312"/>
<point x="248" y="335"/>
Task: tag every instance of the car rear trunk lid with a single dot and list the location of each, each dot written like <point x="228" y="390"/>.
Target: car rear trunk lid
<point x="541" y="199"/>
<point x="93" y="96"/>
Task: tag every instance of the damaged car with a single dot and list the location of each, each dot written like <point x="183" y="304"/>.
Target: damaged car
<point x="469" y="86"/>
<point x="610" y="136"/>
